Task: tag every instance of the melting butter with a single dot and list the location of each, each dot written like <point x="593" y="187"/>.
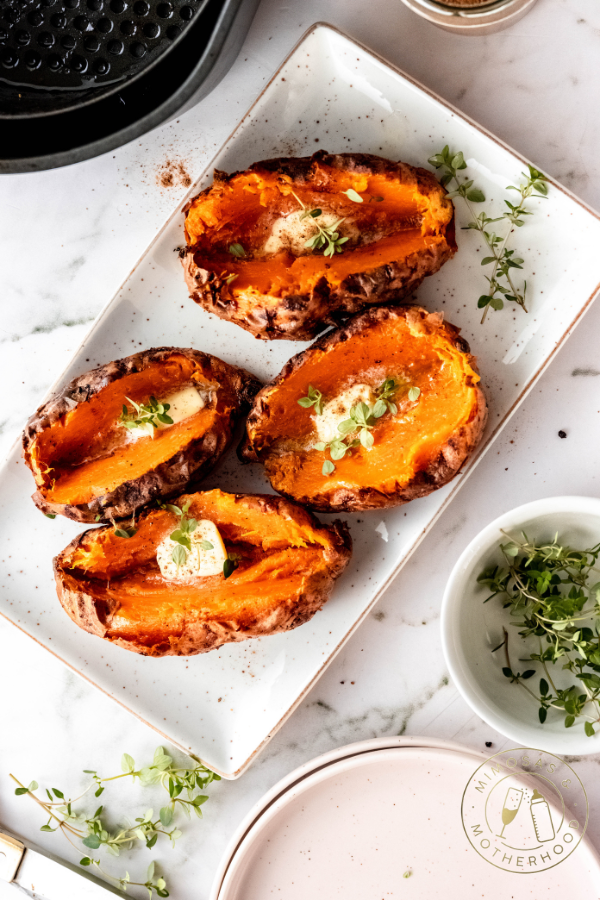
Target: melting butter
<point x="291" y="232"/>
<point x="184" y="403"/>
<point x="338" y="409"/>
<point x="200" y="562"/>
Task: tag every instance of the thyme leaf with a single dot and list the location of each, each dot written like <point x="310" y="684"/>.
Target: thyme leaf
<point x="351" y="194"/>
<point x="179" y="555"/>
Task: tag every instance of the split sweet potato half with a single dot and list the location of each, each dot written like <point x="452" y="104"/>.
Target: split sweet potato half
<point x="291" y="246"/>
<point x="381" y="411"/>
<point x="93" y="463"/>
<point x="285" y="561"/>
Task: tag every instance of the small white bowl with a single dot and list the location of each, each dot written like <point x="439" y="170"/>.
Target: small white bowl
<point x="471" y="629"/>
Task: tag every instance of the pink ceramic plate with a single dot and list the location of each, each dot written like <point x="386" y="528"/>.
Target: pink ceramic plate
<point x="321" y="762"/>
<point x="384" y="823"/>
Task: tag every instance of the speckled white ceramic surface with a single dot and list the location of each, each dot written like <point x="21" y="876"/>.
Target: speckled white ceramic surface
<point x="330" y="93"/>
<point x="388" y="824"/>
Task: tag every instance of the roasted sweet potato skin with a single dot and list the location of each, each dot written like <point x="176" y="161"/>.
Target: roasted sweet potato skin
<point x="184" y="469"/>
<point x="451" y="455"/>
<point x="88" y="578"/>
<point x="302" y="312"/>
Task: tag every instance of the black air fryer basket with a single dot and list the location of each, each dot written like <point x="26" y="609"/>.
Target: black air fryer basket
<point x="80" y="77"/>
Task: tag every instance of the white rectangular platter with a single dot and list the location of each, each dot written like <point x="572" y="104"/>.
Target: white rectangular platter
<point x="334" y="94"/>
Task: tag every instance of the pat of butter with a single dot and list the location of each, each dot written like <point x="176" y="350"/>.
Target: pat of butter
<point x="183" y="404"/>
<point x="200" y="561"/>
<point x="338" y="409"/>
<point x="291" y="232"/>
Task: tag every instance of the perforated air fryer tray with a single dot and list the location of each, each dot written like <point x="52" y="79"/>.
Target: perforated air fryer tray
<point x="75" y="108"/>
<point x="70" y="45"/>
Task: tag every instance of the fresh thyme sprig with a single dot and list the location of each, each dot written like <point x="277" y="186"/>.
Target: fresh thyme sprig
<point x="546" y="588"/>
<point x="313" y="398"/>
<point x="147" y="416"/>
<point x="91" y="831"/>
<point x="362" y="419"/>
<point x="181" y="535"/>
<point x="326" y="236"/>
<point x="386" y="392"/>
<point x="501" y="285"/>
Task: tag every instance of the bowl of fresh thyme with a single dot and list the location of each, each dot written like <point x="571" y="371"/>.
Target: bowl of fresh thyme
<point x="521" y="624"/>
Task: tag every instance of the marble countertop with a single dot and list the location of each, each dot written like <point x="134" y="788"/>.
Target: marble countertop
<point x="68" y="237"/>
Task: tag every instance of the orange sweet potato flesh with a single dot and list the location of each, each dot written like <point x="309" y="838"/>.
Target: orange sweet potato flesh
<point x="402" y="231"/>
<point x="415" y="451"/>
<point x="86" y="465"/>
<point x="113" y="587"/>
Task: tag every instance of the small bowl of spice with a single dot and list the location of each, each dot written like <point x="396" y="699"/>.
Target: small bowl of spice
<point x="471" y="17"/>
<point x="521" y="624"/>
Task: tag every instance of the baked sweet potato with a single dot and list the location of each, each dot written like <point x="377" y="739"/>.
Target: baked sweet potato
<point x="286" y="560"/>
<point x="247" y="258"/>
<point x="374" y="414"/>
<point x="91" y="462"/>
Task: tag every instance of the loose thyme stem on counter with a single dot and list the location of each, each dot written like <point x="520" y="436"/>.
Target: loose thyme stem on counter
<point x="91" y="831"/>
<point x="501" y="285"/>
